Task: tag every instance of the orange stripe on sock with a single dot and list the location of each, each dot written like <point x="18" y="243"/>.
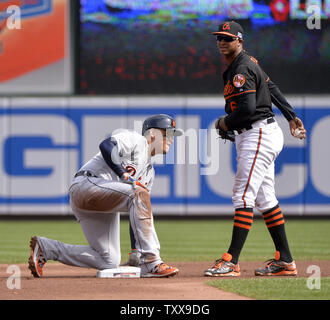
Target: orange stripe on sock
<point x="278" y="216"/>
<point x="271" y="213"/>
<point x="275" y="224"/>
<point x="236" y="224"/>
<point x="249" y="214"/>
<point x="243" y="219"/>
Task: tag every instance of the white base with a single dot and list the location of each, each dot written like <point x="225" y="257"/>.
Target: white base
<point x="120" y="272"/>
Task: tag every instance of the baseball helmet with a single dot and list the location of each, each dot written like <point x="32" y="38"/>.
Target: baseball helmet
<point x="161" y="121"/>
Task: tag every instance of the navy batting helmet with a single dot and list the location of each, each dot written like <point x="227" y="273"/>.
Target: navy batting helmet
<point x="161" y="121"/>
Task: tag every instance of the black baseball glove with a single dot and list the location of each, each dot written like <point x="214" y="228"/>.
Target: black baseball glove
<point x="227" y="135"/>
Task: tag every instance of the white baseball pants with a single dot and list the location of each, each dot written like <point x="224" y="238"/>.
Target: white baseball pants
<point x="96" y="203"/>
<point x="257" y="150"/>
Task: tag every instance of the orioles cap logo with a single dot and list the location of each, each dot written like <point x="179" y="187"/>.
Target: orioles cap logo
<point x="226" y="26"/>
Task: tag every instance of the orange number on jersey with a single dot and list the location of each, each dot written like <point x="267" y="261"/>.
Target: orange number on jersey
<point x="233" y="105"/>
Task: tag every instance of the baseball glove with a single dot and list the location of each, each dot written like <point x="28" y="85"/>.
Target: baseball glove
<point x="226" y="135"/>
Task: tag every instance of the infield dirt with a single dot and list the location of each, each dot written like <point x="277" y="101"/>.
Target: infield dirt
<point x="61" y="282"/>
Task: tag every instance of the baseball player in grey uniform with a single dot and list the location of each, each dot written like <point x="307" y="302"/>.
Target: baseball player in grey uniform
<point x="117" y="179"/>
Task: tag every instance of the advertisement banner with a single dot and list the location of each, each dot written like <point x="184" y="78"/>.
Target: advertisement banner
<point x="44" y="142"/>
<point x="35" y="49"/>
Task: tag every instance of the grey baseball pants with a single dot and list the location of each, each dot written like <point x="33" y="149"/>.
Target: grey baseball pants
<point x="96" y="203"/>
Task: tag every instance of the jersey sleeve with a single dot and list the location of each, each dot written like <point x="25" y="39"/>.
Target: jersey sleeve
<point x="110" y="154"/>
<point x="126" y="143"/>
<point x="243" y="81"/>
<point x="245" y="107"/>
<point x="280" y="101"/>
<point x="278" y="98"/>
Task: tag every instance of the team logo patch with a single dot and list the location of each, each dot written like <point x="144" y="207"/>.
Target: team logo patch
<point x="131" y="170"/>
<point x="239" y="80"/>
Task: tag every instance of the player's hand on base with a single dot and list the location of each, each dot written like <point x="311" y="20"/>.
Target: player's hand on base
<point x="297" y="128"/>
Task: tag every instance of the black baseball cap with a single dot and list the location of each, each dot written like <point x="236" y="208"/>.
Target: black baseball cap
<point x="230" y="28"/>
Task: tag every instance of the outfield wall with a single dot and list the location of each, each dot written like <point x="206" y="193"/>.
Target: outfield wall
<point x="44" y="141"/>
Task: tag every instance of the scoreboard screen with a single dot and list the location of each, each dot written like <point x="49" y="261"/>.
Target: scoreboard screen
<point x="166" y="47"/>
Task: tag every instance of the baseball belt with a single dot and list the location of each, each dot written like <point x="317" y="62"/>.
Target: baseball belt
<point x="85" y="173"/>
<point x="239" y="131"/>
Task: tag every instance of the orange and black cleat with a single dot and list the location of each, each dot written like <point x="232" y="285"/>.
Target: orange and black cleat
<point x="223" y="268"/>
<point x="36" y="259"/>
<point x="161" y="270"/>
<point x="277" y="267"/>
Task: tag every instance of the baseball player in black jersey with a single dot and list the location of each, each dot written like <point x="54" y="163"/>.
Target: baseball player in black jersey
<point x="249" y="94"/>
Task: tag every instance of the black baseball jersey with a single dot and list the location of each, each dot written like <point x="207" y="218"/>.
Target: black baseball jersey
<point x="246" y="92"/>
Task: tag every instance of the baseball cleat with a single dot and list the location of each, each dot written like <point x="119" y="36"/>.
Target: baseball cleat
<point x="277" y="267"/>
<point x="161" y="270"/>
<point x="223" y="268"/>
<point x="134" y="259"/>
<point x="36" y="259"/>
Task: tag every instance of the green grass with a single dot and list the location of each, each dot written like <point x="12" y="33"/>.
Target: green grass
<point x="197" y="240"/>
<point x="15" y="236"/>
<point x="275" y="289"/>
<point x="205" y="240"/>
<point x="181" y="240"/>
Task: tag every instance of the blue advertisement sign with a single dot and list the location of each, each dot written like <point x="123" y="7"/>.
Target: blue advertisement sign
<point x="45" y="141"/>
